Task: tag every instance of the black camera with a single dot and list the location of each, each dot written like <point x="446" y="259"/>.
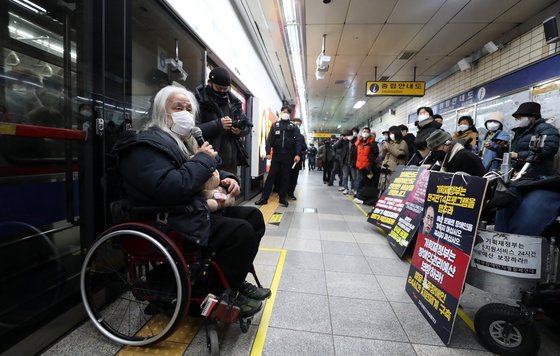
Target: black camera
<point x="537" y="143"/>
<point x="241" y="124"/>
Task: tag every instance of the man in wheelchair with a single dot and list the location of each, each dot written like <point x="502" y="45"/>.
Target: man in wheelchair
<point x="162" y="165"/>
<point x="536" y="193"/>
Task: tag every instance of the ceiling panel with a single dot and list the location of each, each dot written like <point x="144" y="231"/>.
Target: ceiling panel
<point x="492" y="31"/>
<point x="372" y="11"/>
<point x="346" y="66"/>
<point x="451" y="37"/>
<point x="411" y="11"/>
<point x="357" y="39"/>
<point x="318" y="13"/>
<point x="436" y="23"/>
<point x="483" y="11"/>
<point x="394" y="38"/>
<point x="442" y="65"/>
<point x="525" y="8"/>
<point x="314" y="39"/>
<point x="372" y="61"/>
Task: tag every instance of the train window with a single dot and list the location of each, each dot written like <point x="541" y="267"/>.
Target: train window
<point x="156" y="42"/>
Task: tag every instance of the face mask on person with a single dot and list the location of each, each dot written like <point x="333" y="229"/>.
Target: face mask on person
<point x="354" y="134"/>
<point x="365" y="134"/>
<point x="386" y="138"/>
<point x="462" y="127"/>
<point x="439" y="155"/>
<point x="492" y="126"/>
<point x="423" y="117"/>
<point x="183" y="122"/>
<point x="285" y="116"/>
<point x="523" y="121"/>
<point x="220" y="94"/>
<point x="392" y="137"/>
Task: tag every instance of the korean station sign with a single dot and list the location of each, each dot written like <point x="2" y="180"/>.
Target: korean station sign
<point x="395" y="88"/>
<point x="324" y="135"/>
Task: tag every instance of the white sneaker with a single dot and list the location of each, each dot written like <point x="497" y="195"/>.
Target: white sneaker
<point x="353" y="191"/>
<point x="340" y="189"/>
<point x="345" y="191"/>
<point x="358" y="201"/>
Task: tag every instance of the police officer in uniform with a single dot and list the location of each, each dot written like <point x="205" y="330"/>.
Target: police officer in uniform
<point x="282" y="138"/>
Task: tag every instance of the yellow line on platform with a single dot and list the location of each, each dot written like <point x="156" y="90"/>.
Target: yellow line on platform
<point x="265" y="319"/>
<point x="269" y="209"/>
<point x="359" y="207"/>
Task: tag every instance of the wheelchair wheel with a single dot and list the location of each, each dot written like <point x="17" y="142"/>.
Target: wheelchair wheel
<point x="503" y="330"/>
<point x="135" y="284"/>
<point x="212" y="342"/>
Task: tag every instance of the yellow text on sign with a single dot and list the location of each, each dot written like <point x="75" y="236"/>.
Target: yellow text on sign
<point x="395" y="88"/>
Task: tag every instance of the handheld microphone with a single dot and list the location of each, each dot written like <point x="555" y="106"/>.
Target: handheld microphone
<point x="197" y="134"/>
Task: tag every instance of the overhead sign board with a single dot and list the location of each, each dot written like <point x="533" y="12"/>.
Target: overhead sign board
<point x="395" y="88"/>
<point x="321" y="134"/>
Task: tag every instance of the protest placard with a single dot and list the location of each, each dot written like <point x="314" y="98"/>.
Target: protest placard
<point x="410" y="216"/>
<point x="386" y="211"/>
<point x="443" y="247"/>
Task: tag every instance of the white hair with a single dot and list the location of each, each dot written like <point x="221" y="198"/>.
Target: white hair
<point x="158" y="117"/>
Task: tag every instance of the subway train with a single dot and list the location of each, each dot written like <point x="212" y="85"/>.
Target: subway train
<point x="78" y="74"/>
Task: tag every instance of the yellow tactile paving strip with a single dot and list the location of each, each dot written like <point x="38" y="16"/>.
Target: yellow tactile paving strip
<point x="269" y="209"/>
<point x="176" y="344"/>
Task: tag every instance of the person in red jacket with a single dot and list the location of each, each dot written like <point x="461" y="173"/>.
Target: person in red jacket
<point x="367" y="154"/>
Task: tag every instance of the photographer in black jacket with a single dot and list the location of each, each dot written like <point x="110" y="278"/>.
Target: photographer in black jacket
<point x="221" y="117"/>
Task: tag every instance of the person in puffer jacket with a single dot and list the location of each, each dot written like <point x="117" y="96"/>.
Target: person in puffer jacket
<point x="534" y="208"/>
<point x="162" y="165"/>
<point x="490" y="148"/>
<point x="366" y="156"/>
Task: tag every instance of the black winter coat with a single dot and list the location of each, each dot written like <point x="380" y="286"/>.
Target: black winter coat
<point x="464" y="160"/>
<point x="156" y="173"/>
<point x="424" y="131"/>
<point x="340" y="149"/>
<point x="209" y="120"/>
<point x="545" y="159"/>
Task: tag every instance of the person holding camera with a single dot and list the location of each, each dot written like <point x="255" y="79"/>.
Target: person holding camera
<point x="221" y="118"/>
<point x="536" y="196"/>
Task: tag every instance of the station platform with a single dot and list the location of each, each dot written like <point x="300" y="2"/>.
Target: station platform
<point x="338" y="289"/>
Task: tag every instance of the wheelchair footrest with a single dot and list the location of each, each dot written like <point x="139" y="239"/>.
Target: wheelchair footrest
<point x="220" y="309"/>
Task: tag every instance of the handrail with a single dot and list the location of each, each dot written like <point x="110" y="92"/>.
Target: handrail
<point x="22" y="130"/>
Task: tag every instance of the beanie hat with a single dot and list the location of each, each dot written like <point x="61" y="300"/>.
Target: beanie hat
<point x="220" y="76"/>
<point x="436" y="138"/>
<point x="495" y="116"/>
<point x="530" y="108"/>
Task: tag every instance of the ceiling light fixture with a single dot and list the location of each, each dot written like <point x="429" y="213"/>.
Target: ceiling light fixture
<point x="359" y="104"/>
<point x="292" y="32"/>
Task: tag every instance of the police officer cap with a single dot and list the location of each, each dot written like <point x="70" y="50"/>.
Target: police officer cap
<point x="436" y="138"/>
<point x="220" y="76"/>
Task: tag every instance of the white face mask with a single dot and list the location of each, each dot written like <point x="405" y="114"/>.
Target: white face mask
<point x="365" y="134"/>
<point x="386" y="138"/>
<point x="423" y="117"/>
<point x="523" y="121"/>
<point x="462" y="128"/>
<point x="392" y="137"/>
<point x="492" y="126"/>
<point x="355" y="134"/>
<point x="183" y="122"/>
<point x="285" y="116"/>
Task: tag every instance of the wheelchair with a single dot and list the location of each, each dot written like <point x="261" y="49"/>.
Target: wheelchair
<point x="139" y="279"/>
<point x="507" y="329"/>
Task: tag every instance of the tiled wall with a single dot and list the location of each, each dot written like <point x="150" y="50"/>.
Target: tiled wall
<point x="521" y="51"/>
